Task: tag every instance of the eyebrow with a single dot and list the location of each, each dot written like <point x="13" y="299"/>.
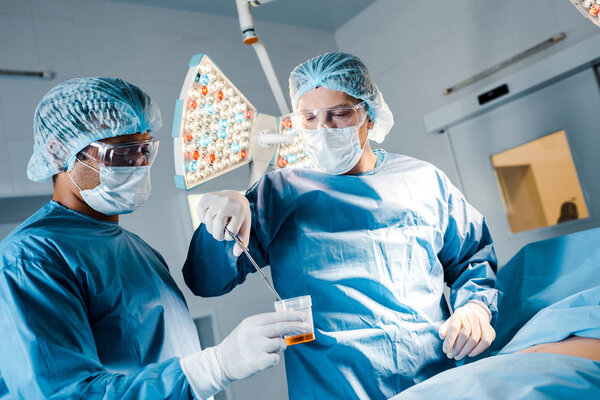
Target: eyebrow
<point x="325" y="108"/>
<point x="343" y="105"/>
<point x="122" y="138"/>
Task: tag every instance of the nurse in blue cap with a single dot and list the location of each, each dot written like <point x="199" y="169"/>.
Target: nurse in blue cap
<point x="372" y="236"/>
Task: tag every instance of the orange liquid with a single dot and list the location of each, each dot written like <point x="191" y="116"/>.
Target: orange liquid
<point x="307" y="337"/>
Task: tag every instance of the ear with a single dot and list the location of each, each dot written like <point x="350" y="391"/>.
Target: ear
<point x="370" y="123"/>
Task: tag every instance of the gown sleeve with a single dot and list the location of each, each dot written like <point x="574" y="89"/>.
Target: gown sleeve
<point x="468" y="254"/>
<point x="211" y="269"/>
<point x="47" y="344"/>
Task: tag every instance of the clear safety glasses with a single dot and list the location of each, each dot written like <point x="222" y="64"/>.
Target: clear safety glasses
<point x="336" y="117"/>
<point x="134" y="154"/>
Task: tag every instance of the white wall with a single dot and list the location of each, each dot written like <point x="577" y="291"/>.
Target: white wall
<point x="149" y="47"/>
<point x="416" y="49"/>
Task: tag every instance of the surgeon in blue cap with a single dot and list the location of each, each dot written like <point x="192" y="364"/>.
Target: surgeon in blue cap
<point x="87" y="308"/>
<point x="371" y="236"/>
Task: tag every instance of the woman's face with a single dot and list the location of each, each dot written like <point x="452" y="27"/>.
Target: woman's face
<point x="326" y="98"/>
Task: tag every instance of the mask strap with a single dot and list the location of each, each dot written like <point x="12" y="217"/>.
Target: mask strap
<point x="362" y="148"/>
<point x="364" y="117"/>
<point x="89" y="166"/>
<point x="73" y="180"/>
<point x="75" y="183"/>
<point x="364" y="145"/>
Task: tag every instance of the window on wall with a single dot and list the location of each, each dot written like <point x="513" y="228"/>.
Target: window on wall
<point x="539" y="184"/>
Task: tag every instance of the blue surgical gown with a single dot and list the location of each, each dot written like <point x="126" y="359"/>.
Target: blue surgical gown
<point x="373" y="250"/>
<point x="89" y="310"/>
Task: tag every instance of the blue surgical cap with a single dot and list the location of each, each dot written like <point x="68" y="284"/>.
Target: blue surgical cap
<point x="346" y="73"/>
<point x="81" y="111"/>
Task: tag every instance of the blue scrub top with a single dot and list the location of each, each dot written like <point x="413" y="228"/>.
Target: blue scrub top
<point x="89" y="310"/>
<point x="373" y="250"/>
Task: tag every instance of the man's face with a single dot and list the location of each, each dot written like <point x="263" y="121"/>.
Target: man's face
<point x="326" y="98"/>
<point x="86" y="177"/>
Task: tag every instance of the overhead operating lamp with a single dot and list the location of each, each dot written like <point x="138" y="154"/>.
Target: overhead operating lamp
<point x="212" y="125"/>
<point x="216" y="129"/>
<point x="589" y="8"/>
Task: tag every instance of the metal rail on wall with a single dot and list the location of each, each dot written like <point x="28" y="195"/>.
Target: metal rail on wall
<point x="513" y="60"/>
<point x="45" y="75"/>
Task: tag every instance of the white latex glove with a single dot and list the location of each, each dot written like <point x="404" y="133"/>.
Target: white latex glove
<point x="227" y="208"/>
<point x="467" y="331"/>
<point x="251" y="347"/>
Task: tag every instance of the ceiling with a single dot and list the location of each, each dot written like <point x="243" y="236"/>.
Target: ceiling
<point x="320" y="14"/>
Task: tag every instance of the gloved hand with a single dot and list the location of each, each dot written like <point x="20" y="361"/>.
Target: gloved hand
<point x="467" y="331"/>
<point x="227" y="208"/>
<point x="251" y="347"/>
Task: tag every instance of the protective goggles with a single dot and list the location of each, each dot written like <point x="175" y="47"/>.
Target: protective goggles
<point x="335" y="117"/>
<point x="134" y="154"/>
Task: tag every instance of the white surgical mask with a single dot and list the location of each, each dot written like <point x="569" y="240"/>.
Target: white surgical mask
<point x="121" y="190"/>
<point x="333" y="150"/>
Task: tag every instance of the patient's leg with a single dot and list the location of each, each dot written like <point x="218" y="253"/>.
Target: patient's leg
<point x="573" y="346"/>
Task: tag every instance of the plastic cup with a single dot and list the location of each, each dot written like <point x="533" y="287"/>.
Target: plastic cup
<point x="304" y="305"/>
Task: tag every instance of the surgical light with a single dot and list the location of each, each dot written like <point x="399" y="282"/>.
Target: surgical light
<point x="212" y="125"/>
<point x="216" y="130"/>
<point x="589" y="8"/>
<point x="290" y="154"/>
